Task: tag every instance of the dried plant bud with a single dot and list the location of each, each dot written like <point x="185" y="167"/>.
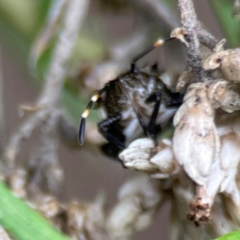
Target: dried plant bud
<point x="222" y="177"/>
<point x="200" y="213"/>
<point x="179" y="34"/>
<point x="138" y="154"/>
<point x="165" y="161"/>
<point x="224" y="95"/>
<point x="142" y="155"/>
<point x="138" y="200"/>
<point x="195" y="141"/>
<point x="228" y="61"/>
<point x="49" y="206"/>
<point x="86" y="221"/>
<point x="220" y="46"/>
<point x="55" y="177"/>
<point x="183" y="80"/>
<point x="17" y="182"/>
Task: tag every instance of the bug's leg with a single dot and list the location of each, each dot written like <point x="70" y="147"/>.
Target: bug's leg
<point x="111" y="133"/>
<point x="158" y="43"/>
<point x="151" y="128"/>
<point x="112" y="151"/>
<point x="176" y="99"/>
<point x="86" y="112"/>
<point x="109" y="148"/>
<point x="154" y="68"/>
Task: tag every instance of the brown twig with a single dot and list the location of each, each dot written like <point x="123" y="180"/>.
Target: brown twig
<point x="50" y="96"/>
<point x="194" y="36"/>
<point x="189" y="24"/>
<point x="48" y="31"/>
<point x="74" y="16"/>
<point x="206" y="38"/>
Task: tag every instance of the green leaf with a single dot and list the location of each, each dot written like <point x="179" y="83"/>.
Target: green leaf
<point x="20" y="14"/>
<point x="230" y="236"/>
<point x="22" y="222"/>
<point x="230" y="25"/>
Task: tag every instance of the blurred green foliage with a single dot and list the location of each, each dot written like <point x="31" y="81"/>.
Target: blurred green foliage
<point x="20" y="23"/>
<point x="22" y="221"/>
<point x="230" y="236"/>
<point x="229" y="24"/>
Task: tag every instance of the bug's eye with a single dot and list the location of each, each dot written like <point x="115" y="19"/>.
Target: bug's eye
<point x="218" y="60"/>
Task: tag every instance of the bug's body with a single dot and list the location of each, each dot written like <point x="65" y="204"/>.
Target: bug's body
<point x="128" y="96"/>
<point x="134" y="104"/>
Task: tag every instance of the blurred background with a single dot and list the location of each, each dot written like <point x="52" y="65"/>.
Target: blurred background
<point x="114" y="31"/>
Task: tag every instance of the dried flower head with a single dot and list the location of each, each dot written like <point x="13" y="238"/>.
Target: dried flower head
<point x="227" y="61"/>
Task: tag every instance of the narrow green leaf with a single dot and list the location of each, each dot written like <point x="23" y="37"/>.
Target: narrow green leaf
<point x="230" y="236"/>
<point x="230" y="25"/>
<point x="22" y="222"/>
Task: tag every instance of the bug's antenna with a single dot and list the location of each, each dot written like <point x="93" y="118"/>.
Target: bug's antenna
<point x="85" y="114"/>
<point x="158" y="43"/>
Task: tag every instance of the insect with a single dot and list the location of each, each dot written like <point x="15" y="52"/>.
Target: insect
<point x="133" y="104"/>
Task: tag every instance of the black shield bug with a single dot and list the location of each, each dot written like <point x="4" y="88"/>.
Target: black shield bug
<point x="134" y="104"/>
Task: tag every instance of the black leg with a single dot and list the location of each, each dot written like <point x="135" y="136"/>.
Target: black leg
<point x="151" y="128"/>
<point x="154" y="68"/>
<point x="175" y="99"/>
<point x="111" y="131"/>
<point x="112" y="151"/>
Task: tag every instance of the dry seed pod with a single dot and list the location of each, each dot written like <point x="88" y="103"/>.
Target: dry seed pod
<point x="53" y="210"/>
<point x="207" y="206"/>
<point x="224" y="95"/>
<point x="165" y="160"/>
<point x="142" y="155"/>
<point x="223" y="175"/>
<point x="195" y="141"/>
<point x="179" y="34"/>
<point x="183" y="80"/>
<point x="17" y="182"/>
<point x="227" y="61"/>
<point x="139" y="198"/>
<point x="137" y="156"/>
<point x="86" y="221"/>
<point x="49" y="206"/>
